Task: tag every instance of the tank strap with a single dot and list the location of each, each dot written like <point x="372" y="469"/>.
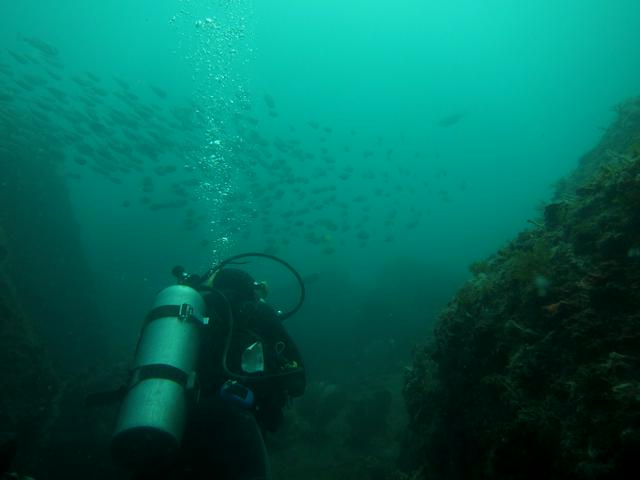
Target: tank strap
<point x="183" y="312"/>
<point x="159" y="370"/>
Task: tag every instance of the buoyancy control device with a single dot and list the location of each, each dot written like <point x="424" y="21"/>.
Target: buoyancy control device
<point x="153" y="412"/>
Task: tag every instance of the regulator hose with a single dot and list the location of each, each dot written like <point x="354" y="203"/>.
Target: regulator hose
<point x="283" y="316"/>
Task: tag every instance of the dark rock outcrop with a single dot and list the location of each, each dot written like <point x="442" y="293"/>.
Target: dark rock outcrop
<point x="29" y="385"/>
<point x="47" y="264"/>
<point x="50" y="327"/>
<point x="534" y="368"/>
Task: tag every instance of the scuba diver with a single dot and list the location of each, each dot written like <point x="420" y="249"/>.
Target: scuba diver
<point x="214" y="368"/>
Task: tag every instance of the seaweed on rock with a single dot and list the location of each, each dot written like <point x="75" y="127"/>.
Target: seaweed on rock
<point x="29" y="384"/>
<point x="534" y="369"/>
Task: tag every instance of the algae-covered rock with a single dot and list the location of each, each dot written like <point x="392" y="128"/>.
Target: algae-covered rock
<point x="29" y="383"/>
<point x="534" y="369"/>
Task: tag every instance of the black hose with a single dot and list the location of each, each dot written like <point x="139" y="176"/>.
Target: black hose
<point x="227" y="345"/>
<point x="282" y="316"/>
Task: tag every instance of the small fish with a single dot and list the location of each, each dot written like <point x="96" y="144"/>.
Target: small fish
<point x="451" y="119"/>
<point x="269" y="101"/>
<point x="92" y="77"/>
<point x="40" y="45"/>
<point x="20" y="58"/>
<point x="158" y="91"/>
<point x="53" y="75"/>
<point x="122" y="83"/>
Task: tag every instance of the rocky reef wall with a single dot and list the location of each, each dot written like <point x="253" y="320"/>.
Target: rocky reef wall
<point x="47" y="265"/>
<point x="534" y="368"/>
<point x="49" y="322"/>
<point x="30" y="386"/>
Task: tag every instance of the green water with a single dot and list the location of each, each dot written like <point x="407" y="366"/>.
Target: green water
<point x="347" y="137"/>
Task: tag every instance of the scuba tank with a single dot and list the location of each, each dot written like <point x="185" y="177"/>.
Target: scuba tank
<point x="153" y="413"/>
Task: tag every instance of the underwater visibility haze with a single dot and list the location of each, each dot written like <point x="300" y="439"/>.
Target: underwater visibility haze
<point x="455" y="183"/>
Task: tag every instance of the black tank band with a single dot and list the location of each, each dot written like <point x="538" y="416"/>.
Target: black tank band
<point x="184" y="311"/>
<point x="159" y="371"/>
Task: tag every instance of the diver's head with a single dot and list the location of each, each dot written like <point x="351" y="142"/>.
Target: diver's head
<point x="237" y="284"/>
